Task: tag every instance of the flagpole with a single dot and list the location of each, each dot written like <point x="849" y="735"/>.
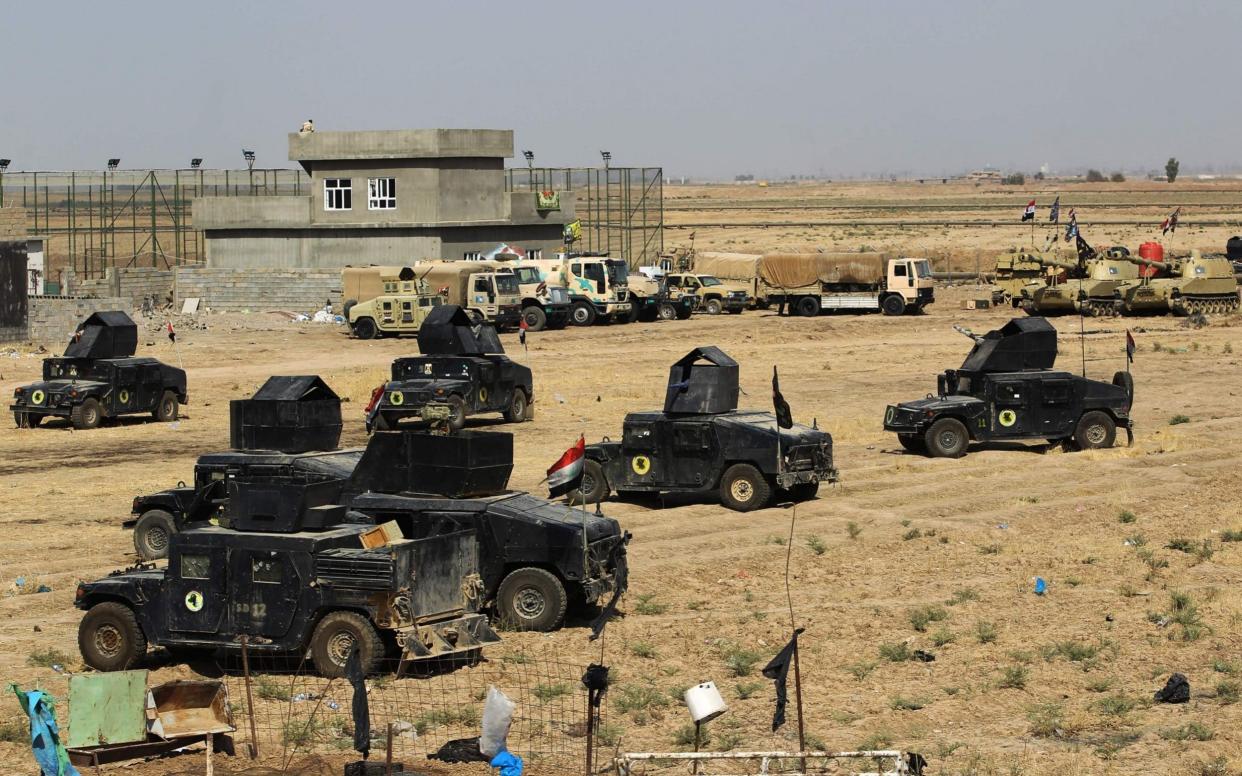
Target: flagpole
<point x="793" y="626"/>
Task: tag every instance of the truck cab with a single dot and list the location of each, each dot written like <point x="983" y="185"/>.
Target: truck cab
<point x="715" y="296"/>
<point x="544" y="305"/>
<point x="913" y="280"/>
<point x="596" y="286"/>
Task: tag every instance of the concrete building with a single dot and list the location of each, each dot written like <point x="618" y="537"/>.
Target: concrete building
<point x="384" y="197"/>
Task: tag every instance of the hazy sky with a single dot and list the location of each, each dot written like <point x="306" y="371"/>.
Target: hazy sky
<point x="700" y="88"/>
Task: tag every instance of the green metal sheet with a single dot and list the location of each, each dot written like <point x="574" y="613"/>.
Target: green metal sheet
<point x="107" y="708"/>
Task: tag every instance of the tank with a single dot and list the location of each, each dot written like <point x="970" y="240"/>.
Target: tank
<point x="1014" y="271"/>
<point x="1100" y="292"/>
<point x="1057" y="293"/>
<point x="1197" y="284"/>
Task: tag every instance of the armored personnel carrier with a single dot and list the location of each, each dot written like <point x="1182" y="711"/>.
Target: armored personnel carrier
<point x="702" y="444"/>
<point x="98" y="378"/>
<point x="1195" y="284"/>
<point x="462" y="367"/>
<point x="1007" y="389"/>
<point x="535" y="558"/>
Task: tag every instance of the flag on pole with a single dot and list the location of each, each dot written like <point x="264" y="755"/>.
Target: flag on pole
<point x="172" y="335"/>
<point x="1029" y="214"/>
<point x="778" y="670"/>
<point x="784" y="417"/>
<point x="1170" y="224"/>
<point x="1054" y="214"/>
<point x="522" y="327"/>
<point x="566" y="474"/>
<point x="1130" y="347"/>
<point x="359" y="709"/>
<point x="1071" y="229"/>
<point x="1085" y="251"/>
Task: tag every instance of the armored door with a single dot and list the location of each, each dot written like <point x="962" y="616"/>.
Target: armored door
<point x="643" y="464"/>
<point x="1057" y="413"/>
<point x="1013" y="406"/>
<point x="692" y="452"/>
<point x="493" y="390"/>
<point x="197" y="581"/>
<point x="151" y="387"/>
<point x="265" y="587"/>
<point x="126" y="393"/>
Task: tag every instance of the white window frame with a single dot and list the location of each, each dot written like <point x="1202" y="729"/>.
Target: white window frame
<point x="381" y="193"/>
<point x="343" y="189"/>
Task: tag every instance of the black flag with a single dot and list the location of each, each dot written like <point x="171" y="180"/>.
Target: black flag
<point x="784" y="418"/>
<point x="1085" y="251"/>
<point x="778" y="669"/>
<point x="361" y="712"/>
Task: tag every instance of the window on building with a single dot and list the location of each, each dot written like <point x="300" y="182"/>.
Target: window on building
<point x="338" y="194"/>
<point x="381" y="193"/>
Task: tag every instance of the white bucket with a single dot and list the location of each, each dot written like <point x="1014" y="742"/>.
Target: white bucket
<point x="704" y="702"/>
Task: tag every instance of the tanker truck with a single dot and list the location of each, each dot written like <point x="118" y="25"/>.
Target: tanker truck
<point x="811" y="282"/>
<point x="1196" y="284"/>
<point x="485" y="289"/>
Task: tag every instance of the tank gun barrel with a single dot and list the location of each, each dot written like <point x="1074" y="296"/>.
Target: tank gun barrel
<point x="1161" y="265"/>
<point x="1051" y="262"/>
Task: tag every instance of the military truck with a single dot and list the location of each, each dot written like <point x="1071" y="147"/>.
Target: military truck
<point x="702" y="444"/>
<point x="400" y="302"/>
<point x="487" y="290"/>
<point x="291" y="580"/>
<point x="463" y="367"/>
<point x="98" y="378"/>
<point x="1006" y="389"/>
<point x="715" y="296"/>
<point x="544" y="306"/>
<point x="737" y="269"/>
<point x="652" y="299"/>
<point x="596" y="286"/>
<point x="535" y="558"/>
<point x="1195" y="284"/>
<point x="808" y="283"/>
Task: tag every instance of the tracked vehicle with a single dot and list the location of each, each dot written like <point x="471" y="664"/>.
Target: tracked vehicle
<point x="1199" y="284"/>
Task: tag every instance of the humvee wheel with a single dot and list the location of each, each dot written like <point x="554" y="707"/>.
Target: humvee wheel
<point x="808" y="306"/>
<point x="1095" y="430"/>
<point x="532" y="599"/>
<point x="893" y="304"/>
<point x="713" y="307"/>
<point x="457" y="421"/>
<point x="152" y="533"/>
<point x="743" y="488"/>
<point x="536" y="319"/>
<point x="109" y="637"/>
<point x="913" y="442"/>
<point x="364" y="328"/>
<point x="85" y="415"/>
<point x="594" y="487"/>
<point x="166" y="411"/>
<point x="517" y="408"/>
<point x="666" y="312"/>
<point x="582" y="314"/>
<point x="27" y="419"/>
<point x="947" y="438"/>
<point x="335" y="637"/>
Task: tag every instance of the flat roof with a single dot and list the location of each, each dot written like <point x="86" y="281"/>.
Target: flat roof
<point x="400" y="144"/>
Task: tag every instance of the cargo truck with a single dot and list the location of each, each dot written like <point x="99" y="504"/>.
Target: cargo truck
<point x="488" y="290"/>
<point x="596" y="286"/>
<point x="809" y="283"/>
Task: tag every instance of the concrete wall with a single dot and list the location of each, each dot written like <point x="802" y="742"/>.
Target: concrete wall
<point x="134" y="284"/>
<point x="254" y="290"/>
<point x="50" y="320"/>
<point x="253" y="212"/>
<point x="313" y="147"/>
<point x="12" y="222"/>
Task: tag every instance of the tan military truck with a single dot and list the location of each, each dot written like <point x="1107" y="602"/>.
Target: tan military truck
<point x="736" y="269"/>
<point x="385" y="300"/>
<point x="596" y="286"/>
<point x="812" y="282"/>
<point x="716" y="296"/>
<point x="487" y="290"/>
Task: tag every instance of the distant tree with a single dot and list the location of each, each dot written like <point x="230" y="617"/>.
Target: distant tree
<point x="1095" y="176"/>
<point x="743" y="178"/>
<point x="1014" y="179"/>
<point x="1170" y="169"/>
<point x="1117" y="178"/>
<point x="1039" y="176"/>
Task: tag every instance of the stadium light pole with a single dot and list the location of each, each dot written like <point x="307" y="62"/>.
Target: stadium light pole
<point x="4" y="165"/>
<point x="196" y="162"/>
<point x="530" y="168"/>
<point x="248" y="155"/>
<point x="607" y="157"/>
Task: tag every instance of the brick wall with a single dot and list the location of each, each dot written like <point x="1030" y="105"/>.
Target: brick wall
<point x="239" y="290"/>
<point x="133" y="283"/>
<point x="12" y="222"/>
<point x="50" y="320"/>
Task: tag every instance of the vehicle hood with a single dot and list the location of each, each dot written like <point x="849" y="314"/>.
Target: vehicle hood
<point x="526" y="507"/>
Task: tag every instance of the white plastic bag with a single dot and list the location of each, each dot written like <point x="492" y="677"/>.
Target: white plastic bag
<point x="497" y="716"/>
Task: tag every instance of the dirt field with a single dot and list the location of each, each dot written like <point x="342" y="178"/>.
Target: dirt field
<point x="1021" y="684"/>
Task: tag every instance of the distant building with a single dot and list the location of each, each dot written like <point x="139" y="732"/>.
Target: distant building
<point x="385" y="197"/>
<point x="984" y="176"/>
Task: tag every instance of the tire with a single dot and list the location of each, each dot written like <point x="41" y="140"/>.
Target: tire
<point x="365" y="328"/>
<point x="582" y="314"/>
<point x="807" y="306"/>
<point x="86" y="415"/>
<point x="713" y="307"/>
<point x="635" y="311"/>
<point x="458" y="419"/>
<point x="804" y="491"/>
<point x="1126" y="381"/>
<point x="517" y="407"/>
<point x="110" y="638"/>
<point x="594" y="487"/>
<point x="349" y="305"/>
<point x="744" y="489"/>
<point x="893" y="304"/>
<point x="682" y="312"/>
<point x="152" y="533"/>
<point x="1095" y="430"/>
<point x="666" y="312"/>
<point x="947" y="438"/>
<point x="536" y="319"/>
<point x="166" y="410"/>
<point x="913" y="442"/>
<point x="532" y="599"/>
<point x="334" y="639"/>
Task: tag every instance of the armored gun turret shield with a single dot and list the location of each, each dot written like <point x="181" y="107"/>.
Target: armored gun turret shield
<point x="1020" y="345"/>
<point x="705" y="380"/>
<point x="107" y="334"/>
<point x="449" y="331"/>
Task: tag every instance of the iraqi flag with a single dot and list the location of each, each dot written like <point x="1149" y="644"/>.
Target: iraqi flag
<point x="1029" y="214"/>
<point x="522" y="327"/>
<point x="172" y="335"/>
<point x="1170" y="224"/>
<point x="566" y="474"/>
<point x="1130" y="347"/>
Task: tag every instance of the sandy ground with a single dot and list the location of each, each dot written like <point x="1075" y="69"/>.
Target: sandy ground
<point x="964" y="537"/>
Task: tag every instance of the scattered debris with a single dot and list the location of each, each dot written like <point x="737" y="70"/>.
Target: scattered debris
<point x="1176" y="690"/>
<point x="1041" y="586"/>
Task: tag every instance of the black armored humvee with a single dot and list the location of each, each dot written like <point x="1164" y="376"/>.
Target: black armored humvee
<point x="462" y="366"/>
<point x="1006" y="389"/>
<point x="98" y="378"/>
<point x="291" y="580"/>
<point x="701" y="443"/>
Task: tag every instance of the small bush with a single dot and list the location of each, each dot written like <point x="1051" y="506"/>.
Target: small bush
<point x="1178" y="420"/>
<point x="943" y="636"/>
<point x="1231" y="535"/>
<point x="741" y="661"/>
<point x="1102" y="684"/>
<point x="1117" y="178"/>
<point x="1014" y="179"/>
<point x="1126" y="516"/>
<point x="646" y="605"/>
<point x="684" y="736"/>
<point x="1047" y="720"/>
<point x="860" y="671"/>
<point x="913" y="533"/>
<point x="1074" y="651"/>
<point x="1095" y="176"/>
<point x="923" y="616"/>
<point x="642" y="649"/>
<point x="548" y="692"/>
<point x="1218" y="766"/>
<point x="608" y="734"/>
<point x="906" y="704"/>
<point x="1223" y="666"/>
<point x="1227" y="692"/>
<point x="1181" y="545"/>
<point x="990" y="549"/>
<point x="300" y="732"/>
<point x="898" y="652"/>
<point x="1013" y="678"/>
<point x="963" y="595"/>
<point x="15" y="731"/>
<point x="746" y="689"/>
<point x="270" y="689"/>
<point x="880" y="739"/>
<point x="852" y="529"/>
<point x="46" y="658"/>
<point x="1115" y="705"/>
<point x="1204" y="550"/>
<point x="985" y="632"/>
<point x="638" y="697"/>
<point x="816" y="544"/>
<point x="1191" y="731"/>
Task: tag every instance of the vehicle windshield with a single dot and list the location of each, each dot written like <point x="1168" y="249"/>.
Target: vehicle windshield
<point x="506" y="284"/>
<point x="618" y="272"/>
<point x="526" y="275"/>
<point x="708" y="280"/>
<point x="923" y="268"/>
